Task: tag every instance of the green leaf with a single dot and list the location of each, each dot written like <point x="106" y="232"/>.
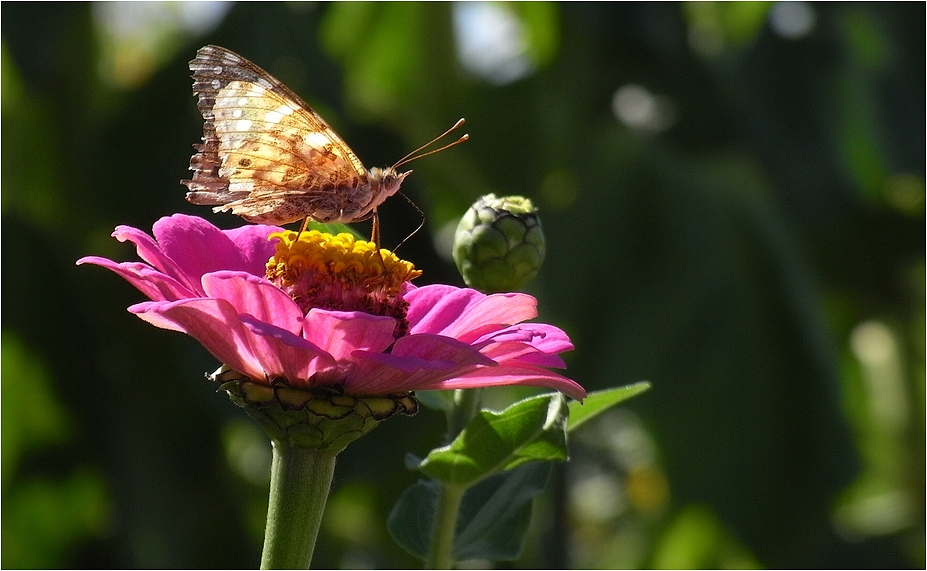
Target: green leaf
<point x="493" y="519"/>
<point x="600" y="401"/>
<point x="495" y="514"/>
<point x="532" y="429"/>
<point x="411" y="520"/>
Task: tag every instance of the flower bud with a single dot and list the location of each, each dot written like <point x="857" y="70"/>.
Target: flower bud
<point x="499" y="244"/>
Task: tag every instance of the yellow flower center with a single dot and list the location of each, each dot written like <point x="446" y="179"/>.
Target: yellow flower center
<point x="342" y="273"/>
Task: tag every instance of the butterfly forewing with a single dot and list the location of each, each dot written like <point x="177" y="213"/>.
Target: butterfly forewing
<point x="266" y="155"/>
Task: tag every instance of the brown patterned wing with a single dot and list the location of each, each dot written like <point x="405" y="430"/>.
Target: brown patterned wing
<point x="266" y="155"/>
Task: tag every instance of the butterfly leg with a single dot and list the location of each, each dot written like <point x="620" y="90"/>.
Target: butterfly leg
<point x="375" y="234"/>
<point x="302" y="228"/>
<point x="375" y="230"/>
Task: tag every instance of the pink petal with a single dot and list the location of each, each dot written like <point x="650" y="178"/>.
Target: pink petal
<point x="512" y="374"/>
<point x="439" y="348"/>
<point x="342" y="332"/>
<point x="152" y="283"/>
<point x="433" y="308"/>
<point x="415" y="362"/>
<point x="286" y="354"/>
<point x="539" y="360"/>
<point x="546" y="338"/>
<point x="253" y="246"/>
<point x="197" y="246"/>
<point x="187" y="247"/>
<point x="552" y="340"/>
<point x="381" y="373"/>
<point x="465" y="314"/>
<point x="530" y="343"/>
<point x="212" y="322"/>
<point x="256" y="349"/>
<point x="256" y="297"/>
<point x="151" y="252"/>
<point x="522" y="353"/>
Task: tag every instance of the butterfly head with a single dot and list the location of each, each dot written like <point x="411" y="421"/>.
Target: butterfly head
<point x="386" y="182"/>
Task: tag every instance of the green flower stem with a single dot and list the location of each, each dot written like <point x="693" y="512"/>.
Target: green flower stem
<point x="300" y="480"/>
<point x="466" y="405"/>
<point x="441" y="554"/>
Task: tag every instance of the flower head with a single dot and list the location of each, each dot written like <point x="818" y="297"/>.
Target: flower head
<point x="331" y="314"/>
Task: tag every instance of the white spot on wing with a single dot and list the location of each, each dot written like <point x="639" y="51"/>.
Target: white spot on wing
<point x="273" y="117"/>
<point x="241" y="186"/>
<point x="236" y="113"/>
<point x="243" y="125"/>
<point x="243" y="101"/>
<point x="316" y="139"/>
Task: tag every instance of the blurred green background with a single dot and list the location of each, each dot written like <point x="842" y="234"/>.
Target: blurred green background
<point x="733" y="196"/>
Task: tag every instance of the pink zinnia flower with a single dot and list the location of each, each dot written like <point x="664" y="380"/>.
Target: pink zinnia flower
<point x="329" y="311"/>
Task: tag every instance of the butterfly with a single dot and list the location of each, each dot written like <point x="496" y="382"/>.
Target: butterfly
<point x="269" y="158"/>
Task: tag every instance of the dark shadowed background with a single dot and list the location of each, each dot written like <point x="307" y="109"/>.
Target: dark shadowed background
<point x="733" y="196"/>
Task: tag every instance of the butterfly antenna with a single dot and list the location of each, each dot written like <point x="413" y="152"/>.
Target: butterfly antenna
<point x="420" y="224"/>
<point x="412" y="156"/>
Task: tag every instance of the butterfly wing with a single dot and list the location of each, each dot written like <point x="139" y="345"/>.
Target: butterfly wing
<point x="266" y="155"/>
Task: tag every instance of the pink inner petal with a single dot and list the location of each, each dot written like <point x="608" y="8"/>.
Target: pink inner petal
<point x="465" y="314"/>
<point x="373" y="373"/>
<point x="286" y="354"/>
<point x="439" y="348"/>
<point x="342" y="332"/>
<point x="253" y="246"/>
<point x="433" y="308"/>
<point x="196" y="245"/>
<point x="415" y="361"/>
<point x="256" y="297"/>
<point x="541" y="335"/>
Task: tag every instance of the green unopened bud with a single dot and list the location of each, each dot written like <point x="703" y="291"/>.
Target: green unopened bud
<point x="499" y="244"/>
<point x="322" y="419"/>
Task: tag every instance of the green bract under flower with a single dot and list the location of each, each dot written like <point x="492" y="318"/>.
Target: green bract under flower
<point x="324" y="419"/>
